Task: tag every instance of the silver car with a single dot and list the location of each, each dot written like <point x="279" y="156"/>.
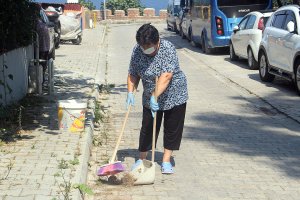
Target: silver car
<point x="246" y="37"/>
<point x="279" y="52"/>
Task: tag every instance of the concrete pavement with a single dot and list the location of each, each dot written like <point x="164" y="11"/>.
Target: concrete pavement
<point x="41" y="152"/>
<point x="235" y="145"/>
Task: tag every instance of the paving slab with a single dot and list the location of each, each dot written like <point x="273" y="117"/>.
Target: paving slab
<point x="235" y="145"/>
<point x="35" y="156"/>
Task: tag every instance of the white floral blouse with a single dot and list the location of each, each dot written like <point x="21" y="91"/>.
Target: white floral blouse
<point x="147" y="68"/>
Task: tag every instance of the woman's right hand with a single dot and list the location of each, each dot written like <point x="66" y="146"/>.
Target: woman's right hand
<point x="129" y="100"/>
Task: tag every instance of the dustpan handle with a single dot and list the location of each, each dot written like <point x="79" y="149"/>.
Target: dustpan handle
<point x="154" y="123"/>
<point x="121" y="133"/>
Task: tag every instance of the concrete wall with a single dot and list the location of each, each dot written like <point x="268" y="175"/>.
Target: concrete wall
<point x="132" y="14"/>
<point x="14" y="79"/>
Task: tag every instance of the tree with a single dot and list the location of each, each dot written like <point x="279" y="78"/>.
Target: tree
<point x="279" y="3"/>
<point x="88" y="4"/>
<point x="123" y="5"/>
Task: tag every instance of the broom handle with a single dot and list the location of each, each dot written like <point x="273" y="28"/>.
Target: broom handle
<point x="154" y="123"/>
<point x="122" y="131"/>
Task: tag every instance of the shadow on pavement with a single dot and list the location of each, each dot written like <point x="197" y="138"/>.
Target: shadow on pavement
<point x="258" y="136"/>
<point x="183" y="43"/>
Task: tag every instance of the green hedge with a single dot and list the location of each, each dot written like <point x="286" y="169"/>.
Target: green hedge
<point x="17" y="24"/>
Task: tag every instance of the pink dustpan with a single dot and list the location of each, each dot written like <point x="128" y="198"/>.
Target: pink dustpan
<point x="111" y="169"/>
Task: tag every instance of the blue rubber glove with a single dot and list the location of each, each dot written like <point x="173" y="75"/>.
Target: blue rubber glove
<point x="153" y="105"/>
<point x="130" y="99"/>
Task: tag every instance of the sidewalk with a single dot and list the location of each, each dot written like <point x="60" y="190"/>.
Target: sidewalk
<point x="42" y="152"/>
<point x="231" y="150"/>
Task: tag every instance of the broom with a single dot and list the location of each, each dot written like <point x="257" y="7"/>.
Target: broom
<point x="114" y="167"/>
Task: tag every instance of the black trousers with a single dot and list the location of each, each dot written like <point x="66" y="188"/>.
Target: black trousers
<point x="173" y="128"/>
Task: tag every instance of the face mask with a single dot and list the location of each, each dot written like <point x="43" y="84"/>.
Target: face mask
<point x="149" y="51"/>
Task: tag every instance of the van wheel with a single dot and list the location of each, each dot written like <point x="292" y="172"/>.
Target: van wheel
<point x="264" y="69"/>
<point x="251" y="60"/>
<point x="297" y="76"/>
<point x="77" y="41"/>
<point x="232" y="54"/>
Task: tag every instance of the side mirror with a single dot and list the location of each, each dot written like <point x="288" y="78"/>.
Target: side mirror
<point x="236" y="29"/>
<point x="291" y="27"/>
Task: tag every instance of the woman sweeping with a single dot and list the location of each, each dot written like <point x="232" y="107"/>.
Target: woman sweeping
<point x="154" y="57"/>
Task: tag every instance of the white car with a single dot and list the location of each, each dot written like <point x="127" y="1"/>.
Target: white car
<point x="279" y="52"/>
<point x="246" y="37"/>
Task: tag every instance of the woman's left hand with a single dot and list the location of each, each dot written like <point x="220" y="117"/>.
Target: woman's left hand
<point x="153" y="105"/>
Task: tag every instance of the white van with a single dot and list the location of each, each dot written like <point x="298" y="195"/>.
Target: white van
<point x="173" y="12"/>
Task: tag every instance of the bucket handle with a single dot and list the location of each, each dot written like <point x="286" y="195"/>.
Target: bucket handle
<point x="73" y="116"/>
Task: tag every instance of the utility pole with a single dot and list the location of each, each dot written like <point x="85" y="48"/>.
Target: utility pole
<point x="104" y="9"/>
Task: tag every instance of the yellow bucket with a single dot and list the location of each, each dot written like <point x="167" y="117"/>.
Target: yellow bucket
<point x="71" y="115"/>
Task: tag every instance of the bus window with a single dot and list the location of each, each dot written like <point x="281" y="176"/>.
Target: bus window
<point x="241" y="3"/>
<point x="238" y="8"/>
<point x="206" y="12"/>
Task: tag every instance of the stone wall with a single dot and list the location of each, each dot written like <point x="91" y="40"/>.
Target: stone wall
<point x="133" y="14"/>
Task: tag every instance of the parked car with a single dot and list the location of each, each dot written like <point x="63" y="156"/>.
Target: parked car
<point x="246" y="37"/>
<point x="44" y="19"/>
<point x="279" y="52"/>
<point x="178" y="21"/>
<point x="53" y="16"/>
<point x="71" y="28"/>
<point x="173" y="11"/>
<point x="186" y="19"/>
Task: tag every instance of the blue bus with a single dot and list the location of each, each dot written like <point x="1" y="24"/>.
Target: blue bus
<point x="209" y="23"/>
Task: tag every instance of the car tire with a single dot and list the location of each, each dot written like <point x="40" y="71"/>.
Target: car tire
<point x="232" y="54"/>
<point x="297" y="76"/>
<point x="52" y="54"/>
<point x="188" y="37"/>
<point x="168" y="27"/>
<point x="252" y="63"/>
<point x="57" y="42"/>
<point x="264" y="69"/>
<point x="182" y="34"/>
<point x="193" y="43"/>
<point x="175" y="28"/>
<point x="77" y="41"/>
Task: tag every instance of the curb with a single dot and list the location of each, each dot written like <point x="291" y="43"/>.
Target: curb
<point x="85" y="147"/>
<point x="87" y="140"/>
